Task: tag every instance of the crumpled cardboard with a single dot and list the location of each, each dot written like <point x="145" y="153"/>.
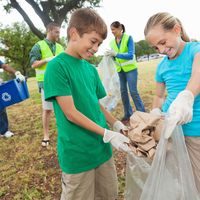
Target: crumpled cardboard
<point x="144" y="133"/>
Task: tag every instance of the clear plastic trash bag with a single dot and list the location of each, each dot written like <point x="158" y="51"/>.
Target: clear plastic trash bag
<point x="110" y="80"/>
<point x="170" y="176"/>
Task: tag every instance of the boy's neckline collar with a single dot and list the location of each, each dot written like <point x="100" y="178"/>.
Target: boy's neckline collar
<point x="79" y="60"/>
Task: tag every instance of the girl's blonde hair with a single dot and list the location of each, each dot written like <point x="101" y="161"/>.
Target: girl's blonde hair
<point x="167" y="22"/>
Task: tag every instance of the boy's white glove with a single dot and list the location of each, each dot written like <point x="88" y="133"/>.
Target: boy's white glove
<point x="110" y="52"/>
<point x="181" y="109"/>
<point x="117" y="126"/>
<point x="156" y="111"/>
<point x="117" y="140"/>
<point x="50" y="58"/>
<point x="19" y="76"/>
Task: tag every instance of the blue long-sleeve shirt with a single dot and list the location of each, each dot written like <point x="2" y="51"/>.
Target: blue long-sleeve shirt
<point x="131" y="49"/>
<point x="1" y="63"/>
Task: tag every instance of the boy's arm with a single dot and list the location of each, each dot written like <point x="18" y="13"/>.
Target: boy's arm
<point x="117" y="125"/>
<point x="109" y="118"/>
<point x="66" y="103"/>
<point x="118" y="140"/>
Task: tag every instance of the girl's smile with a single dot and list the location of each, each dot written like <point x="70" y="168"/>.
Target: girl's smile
<point x="166" y="42"/>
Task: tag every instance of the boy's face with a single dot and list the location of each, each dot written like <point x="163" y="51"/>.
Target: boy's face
<point x="87" y="45"/>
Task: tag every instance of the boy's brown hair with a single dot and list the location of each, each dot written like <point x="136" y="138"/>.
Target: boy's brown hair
<point x="86" y="20"/>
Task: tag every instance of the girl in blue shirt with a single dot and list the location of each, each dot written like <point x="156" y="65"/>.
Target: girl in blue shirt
<point x="179" y="73"/>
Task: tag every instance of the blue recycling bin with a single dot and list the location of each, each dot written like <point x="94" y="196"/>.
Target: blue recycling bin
<point x="13" y="92"/>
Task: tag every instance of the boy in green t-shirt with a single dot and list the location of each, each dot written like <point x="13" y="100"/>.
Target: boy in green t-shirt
<point x="73" y="85"/>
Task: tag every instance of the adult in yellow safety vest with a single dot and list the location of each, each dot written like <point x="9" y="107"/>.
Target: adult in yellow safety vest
<point x="41" y="53"/>
<point x="123" y="51"/>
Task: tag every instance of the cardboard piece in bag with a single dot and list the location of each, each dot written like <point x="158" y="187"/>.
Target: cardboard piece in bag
<point x="144" y="133"/>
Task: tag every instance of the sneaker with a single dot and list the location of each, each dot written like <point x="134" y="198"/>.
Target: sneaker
<point x="8" y="134"/>
<point x="124" y="120"/>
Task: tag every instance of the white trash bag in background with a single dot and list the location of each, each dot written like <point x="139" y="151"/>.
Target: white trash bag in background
<point x="110" y="81"/>
<point x="170" y="176"/>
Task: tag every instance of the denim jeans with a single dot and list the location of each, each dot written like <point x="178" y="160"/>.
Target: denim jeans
<point x="130" y="78"/>
<point x="3" y="121"/>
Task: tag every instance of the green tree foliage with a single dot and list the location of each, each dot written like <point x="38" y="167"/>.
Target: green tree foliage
<point x="48" y="11"/>
<point x="143" y="48"/>
<point x="16" y="41"/>
<point x="194" y="40"/>
<point x="95" y="60"/>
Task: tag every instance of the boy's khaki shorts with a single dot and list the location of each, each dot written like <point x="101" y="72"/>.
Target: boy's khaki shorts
<point x="97" y="184"/>
<point x="193" y="147"/>
<point x="45" y="104"/>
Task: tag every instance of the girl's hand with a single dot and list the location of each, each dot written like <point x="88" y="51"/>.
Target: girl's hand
<point x="181" y="109"/>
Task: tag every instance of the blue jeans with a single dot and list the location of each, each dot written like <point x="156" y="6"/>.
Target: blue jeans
<point x="130" y="78"/>
<point x="3" y="121"/>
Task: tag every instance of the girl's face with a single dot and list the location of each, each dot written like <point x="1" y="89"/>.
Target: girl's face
<point x="168" y="43"/>
<point x="116" y="31"/>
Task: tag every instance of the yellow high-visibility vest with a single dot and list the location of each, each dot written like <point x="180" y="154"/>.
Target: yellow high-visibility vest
<point x="126" y="65"/>
<point x="46" y="53"/>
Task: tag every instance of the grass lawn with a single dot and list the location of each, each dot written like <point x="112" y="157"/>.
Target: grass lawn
<point x="28" y="171"/>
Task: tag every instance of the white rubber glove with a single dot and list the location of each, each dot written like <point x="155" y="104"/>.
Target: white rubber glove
<point x="19" y="76"/>
<point x="110" y="52"/>
<point x="117" y="140"/>
<point x="50" y="58"/>
<point x="171" y="124"/>
<point x="181" y="109"/>
<point x="117" y="126"/>
<point x="156" y="111"/>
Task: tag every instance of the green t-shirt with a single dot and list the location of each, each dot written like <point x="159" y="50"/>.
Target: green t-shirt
<point x="79" y="150"/>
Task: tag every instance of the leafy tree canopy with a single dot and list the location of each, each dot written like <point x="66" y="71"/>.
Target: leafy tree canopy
<point x="143" y="48"/>
<point x="48" y="11"/>
<point x="16" y="41"/>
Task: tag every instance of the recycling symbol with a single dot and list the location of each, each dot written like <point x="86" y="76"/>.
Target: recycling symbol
<point x="6" y="96"/>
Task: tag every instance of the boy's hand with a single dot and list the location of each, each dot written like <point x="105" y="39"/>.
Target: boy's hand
<point x="117" y="140"/>
<point x="156" y="111"/>
<point x="110" y="52"/>
<point x="117" y="126"/>
<point x="181" y="109"/>
<point x="19" y="76"/>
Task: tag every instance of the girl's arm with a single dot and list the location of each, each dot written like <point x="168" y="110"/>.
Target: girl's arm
<point x="160" y="95"/>
<point x="194" y="82"/>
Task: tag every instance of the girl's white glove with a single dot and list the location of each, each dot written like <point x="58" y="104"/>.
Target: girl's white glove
<point x="117" y="126"/>
<point x="181" y="109"/>
<point x="117" y="140"/>
<point x="19" y="76"/>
